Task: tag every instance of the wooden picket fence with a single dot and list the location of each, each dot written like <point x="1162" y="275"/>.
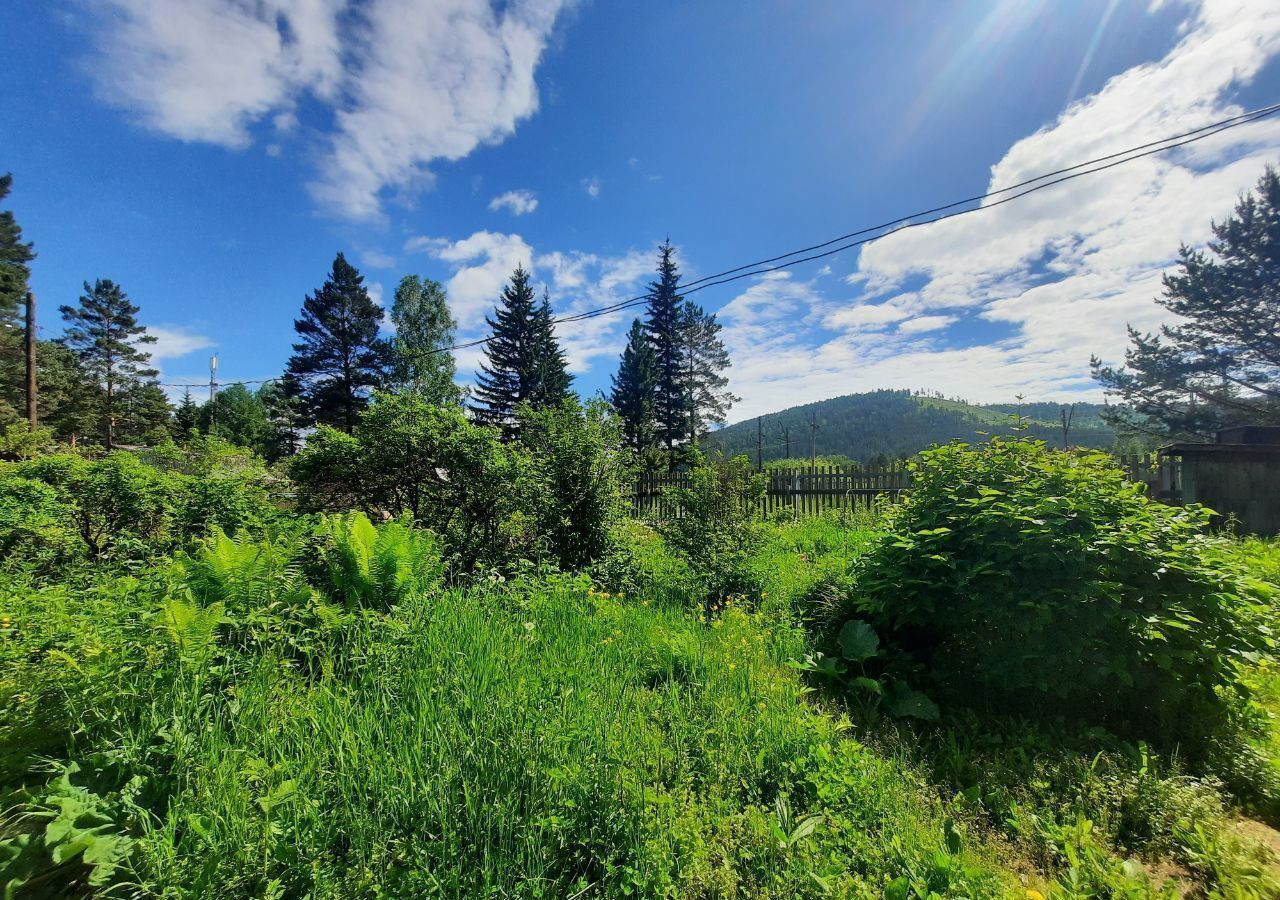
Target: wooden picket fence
<point x="805" y="491"/>
<point x="812" y="490"/>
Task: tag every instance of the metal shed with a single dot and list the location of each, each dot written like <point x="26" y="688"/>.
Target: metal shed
<point x="1238" y="475"/>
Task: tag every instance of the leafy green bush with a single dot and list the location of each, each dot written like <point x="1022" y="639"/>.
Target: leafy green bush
<point x="20" y="441"/>
<point x="556" y="494"/>
<point x="231" y="502"/>
<point x="56" y="508"/>
<point x="579" y="470"/>
<point x="1047" y="582"/>
<point x="718" y="528"/>
<point x="35" y="524"/>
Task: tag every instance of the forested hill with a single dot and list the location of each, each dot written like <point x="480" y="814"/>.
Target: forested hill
<point x="891" y="424"/>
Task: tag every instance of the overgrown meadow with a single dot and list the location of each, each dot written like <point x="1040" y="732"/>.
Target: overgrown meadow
<point x="422" y="660"/>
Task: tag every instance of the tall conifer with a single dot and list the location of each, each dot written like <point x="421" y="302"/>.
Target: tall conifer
<point x="340" y="357"/>
<point x="103" y="331"/>
<point x="663" y="323"/>
<point x="525" y="362"/>
<point x="633" y="388"/>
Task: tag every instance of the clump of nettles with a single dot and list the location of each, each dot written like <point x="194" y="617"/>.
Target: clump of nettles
<point x="1044" y="582"/>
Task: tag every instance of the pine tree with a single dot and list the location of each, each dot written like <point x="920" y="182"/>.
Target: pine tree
<point x="14" y="258"/>
<point x="526" y="364"/>
<point x="15" y="255"/>
<point x="424" y="328"/>
<point x="705" y="358"/>
<point x="340" y="358"/>
<point x="664" y="321"/>
<point x="633" y="388"/>
<point x="104" y="333"/>
<point x="1220" y="366"/>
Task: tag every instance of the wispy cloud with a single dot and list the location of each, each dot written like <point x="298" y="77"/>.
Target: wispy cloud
<point x="174" y="342"/>
<point x="592" y="186"/>
<point x="518" y="203"/>
<point x="376" y="259"/>
<point x="408" y="83"/>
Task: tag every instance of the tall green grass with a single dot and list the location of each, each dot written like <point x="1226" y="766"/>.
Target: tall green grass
<point x="536" y="738"/>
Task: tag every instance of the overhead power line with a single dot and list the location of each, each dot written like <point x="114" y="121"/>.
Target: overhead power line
<point x="886" y="229"/>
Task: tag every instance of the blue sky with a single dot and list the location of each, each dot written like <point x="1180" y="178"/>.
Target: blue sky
<point x="213" y="155"/>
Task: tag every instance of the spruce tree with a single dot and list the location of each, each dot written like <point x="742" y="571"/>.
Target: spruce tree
<point x="633" y="389"/>
<point x="186" y="417"/>
<point x="104" y="333"/>
<point x="525" y="363"/>
<point x="708" y="397"/>
<point x="553" y="382"/>
<point x="664" y="321"/>
<point x="340" y="357"/>
<point x="424" y="328"/>
<point x="1220" y="366"/>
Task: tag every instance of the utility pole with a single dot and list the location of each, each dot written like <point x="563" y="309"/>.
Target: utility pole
<point x="786" y="436"/>
<point x="813" y="434"/>
<point x="759" y="444"/>
<point x="31" y="360"/>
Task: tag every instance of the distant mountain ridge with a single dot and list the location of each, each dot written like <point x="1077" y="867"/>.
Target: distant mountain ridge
<point x="888" y="424"/>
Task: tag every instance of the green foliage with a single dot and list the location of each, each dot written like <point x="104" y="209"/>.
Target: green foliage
<point x="35" y="524"/>
<point x="238" y="416"/>
<point x="71" y="837"/>
<point x="579" y="472"/>
<point x="717" y="529"/>
<point x="554" y="493"/>
<point x="1048" y="580"/>
<point x="446" y="473"/>
<point x="424" y="329"/>
<point x="104" y="333"/>
<point x="633" y="387"/>
<point x="20" y="441"/>
<point x="376" y="567"/>
<point x="639" y="564"/>
<point x="56" y="508"/>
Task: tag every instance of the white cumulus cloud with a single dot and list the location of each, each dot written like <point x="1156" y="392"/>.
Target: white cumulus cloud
<point x="408" y="83"/>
